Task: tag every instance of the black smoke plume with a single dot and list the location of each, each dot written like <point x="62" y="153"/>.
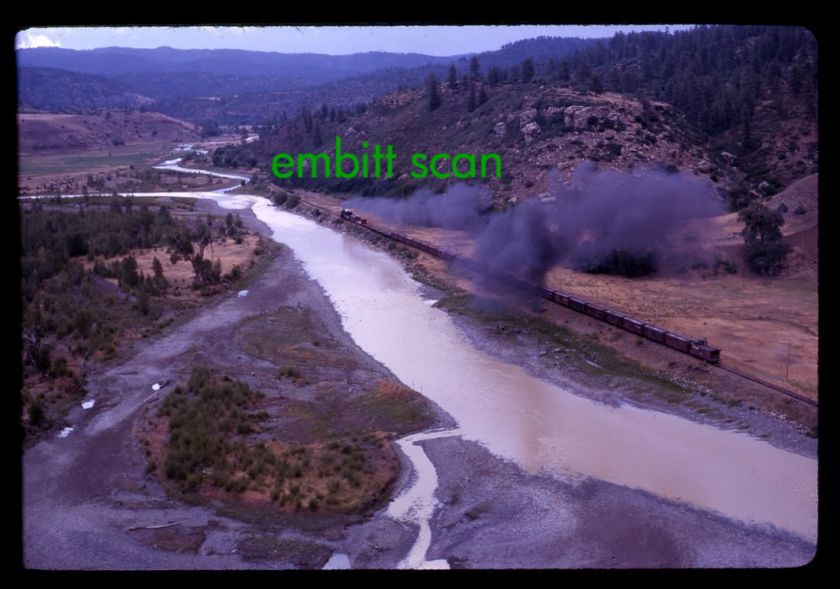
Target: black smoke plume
<point x="460" y="207"/>
<point x="600" y="221"/>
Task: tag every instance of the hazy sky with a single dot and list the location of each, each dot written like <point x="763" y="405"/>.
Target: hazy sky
<point x="430" y="40"/>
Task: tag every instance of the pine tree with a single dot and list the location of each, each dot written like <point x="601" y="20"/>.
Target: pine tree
<point x="475" y="68"/>
<point x="432" y="89"/>
<point x="527" y="70"/>
<point x="159" y="280"/>
<point x="746" y="129"/>
<point x="453" y="77"/>
<point x="471" y="100"/>
<point x="482" y="96"/>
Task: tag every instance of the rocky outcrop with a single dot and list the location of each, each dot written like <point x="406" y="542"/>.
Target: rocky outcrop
<point x="552" y="112"/>
<point x="527" y="116"/>
<point x="530" y="131"/>
<point x="578" y="117"/>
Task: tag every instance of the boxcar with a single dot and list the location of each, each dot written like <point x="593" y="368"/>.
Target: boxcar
<point x="595" y="311"/>
<point x="654" y="333"/>
<point x="560" y="299"/>
<point x="677" y="342"/>
<point x="633" y="325"/>
<point x="577" y="304"/>
<point x="613" y="318"/>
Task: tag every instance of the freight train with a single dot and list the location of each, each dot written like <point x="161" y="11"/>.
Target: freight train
<point x="694" y="347"/>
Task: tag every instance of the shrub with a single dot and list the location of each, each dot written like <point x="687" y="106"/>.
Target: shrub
<point x="728" y="266"/>
<point x="764" y="250"/>
<point x="288" y="372"/>
<point x="36" y="413"/>
<point x="621" y="262"/>
<point x="59" y="367"/>
<point x="292" y="201"/>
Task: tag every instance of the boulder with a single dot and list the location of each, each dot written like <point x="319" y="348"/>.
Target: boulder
<point x="576" y="117"/>
<point x="530" y="131"/>
<point x="527" y="116"/>
<point x="553" y="111"/>
<point x="500" y="130"/>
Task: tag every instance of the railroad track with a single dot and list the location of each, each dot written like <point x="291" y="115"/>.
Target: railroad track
<point x="769" y="385"/>
<point x="696" y="348"/>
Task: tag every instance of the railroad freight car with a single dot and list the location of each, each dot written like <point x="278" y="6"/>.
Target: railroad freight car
<point x="654" y="333"/>
<point x="614" y="318"/>
<point x="577" y="304"/>
<point x="595" y="311"/>
<point x="560" y="298"/>
<point x="696" y="348"/>
<point x="678" y="342"/>
<point x="633" y="325"/>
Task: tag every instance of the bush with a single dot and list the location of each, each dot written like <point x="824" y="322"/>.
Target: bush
<point x="767" y="259"/>
<point x="235" y="273"/>
<point x="728" y="266"/>
<point x="59" y="367"/>
<point x="292" y="201"/>
<point x="621" y="262"/>
<point x="288" y="372"/>
<point x="764" y="250"/>
<point x="36" y="413"/>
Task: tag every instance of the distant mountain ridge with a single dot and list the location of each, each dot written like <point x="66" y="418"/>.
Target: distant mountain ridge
<point x="252" y="86"/>
<point x="50" y="89"/>
<point x="317" y="68"/>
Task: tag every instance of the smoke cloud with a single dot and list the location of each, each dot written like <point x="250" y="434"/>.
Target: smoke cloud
<point x="460" y="207"/>
<point x="636" y="212"/>
<point x="579" y="223"/>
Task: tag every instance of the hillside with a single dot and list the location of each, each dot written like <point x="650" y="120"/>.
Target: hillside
<point x="50" y="89"/>
<point x="750" y="91"/>
<point x="44" y="132"/>
<point x="742" y="110"/>
<point x="535" y="128"/>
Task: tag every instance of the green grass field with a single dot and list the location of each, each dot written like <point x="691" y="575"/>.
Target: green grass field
<point x="67" y="163"/>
